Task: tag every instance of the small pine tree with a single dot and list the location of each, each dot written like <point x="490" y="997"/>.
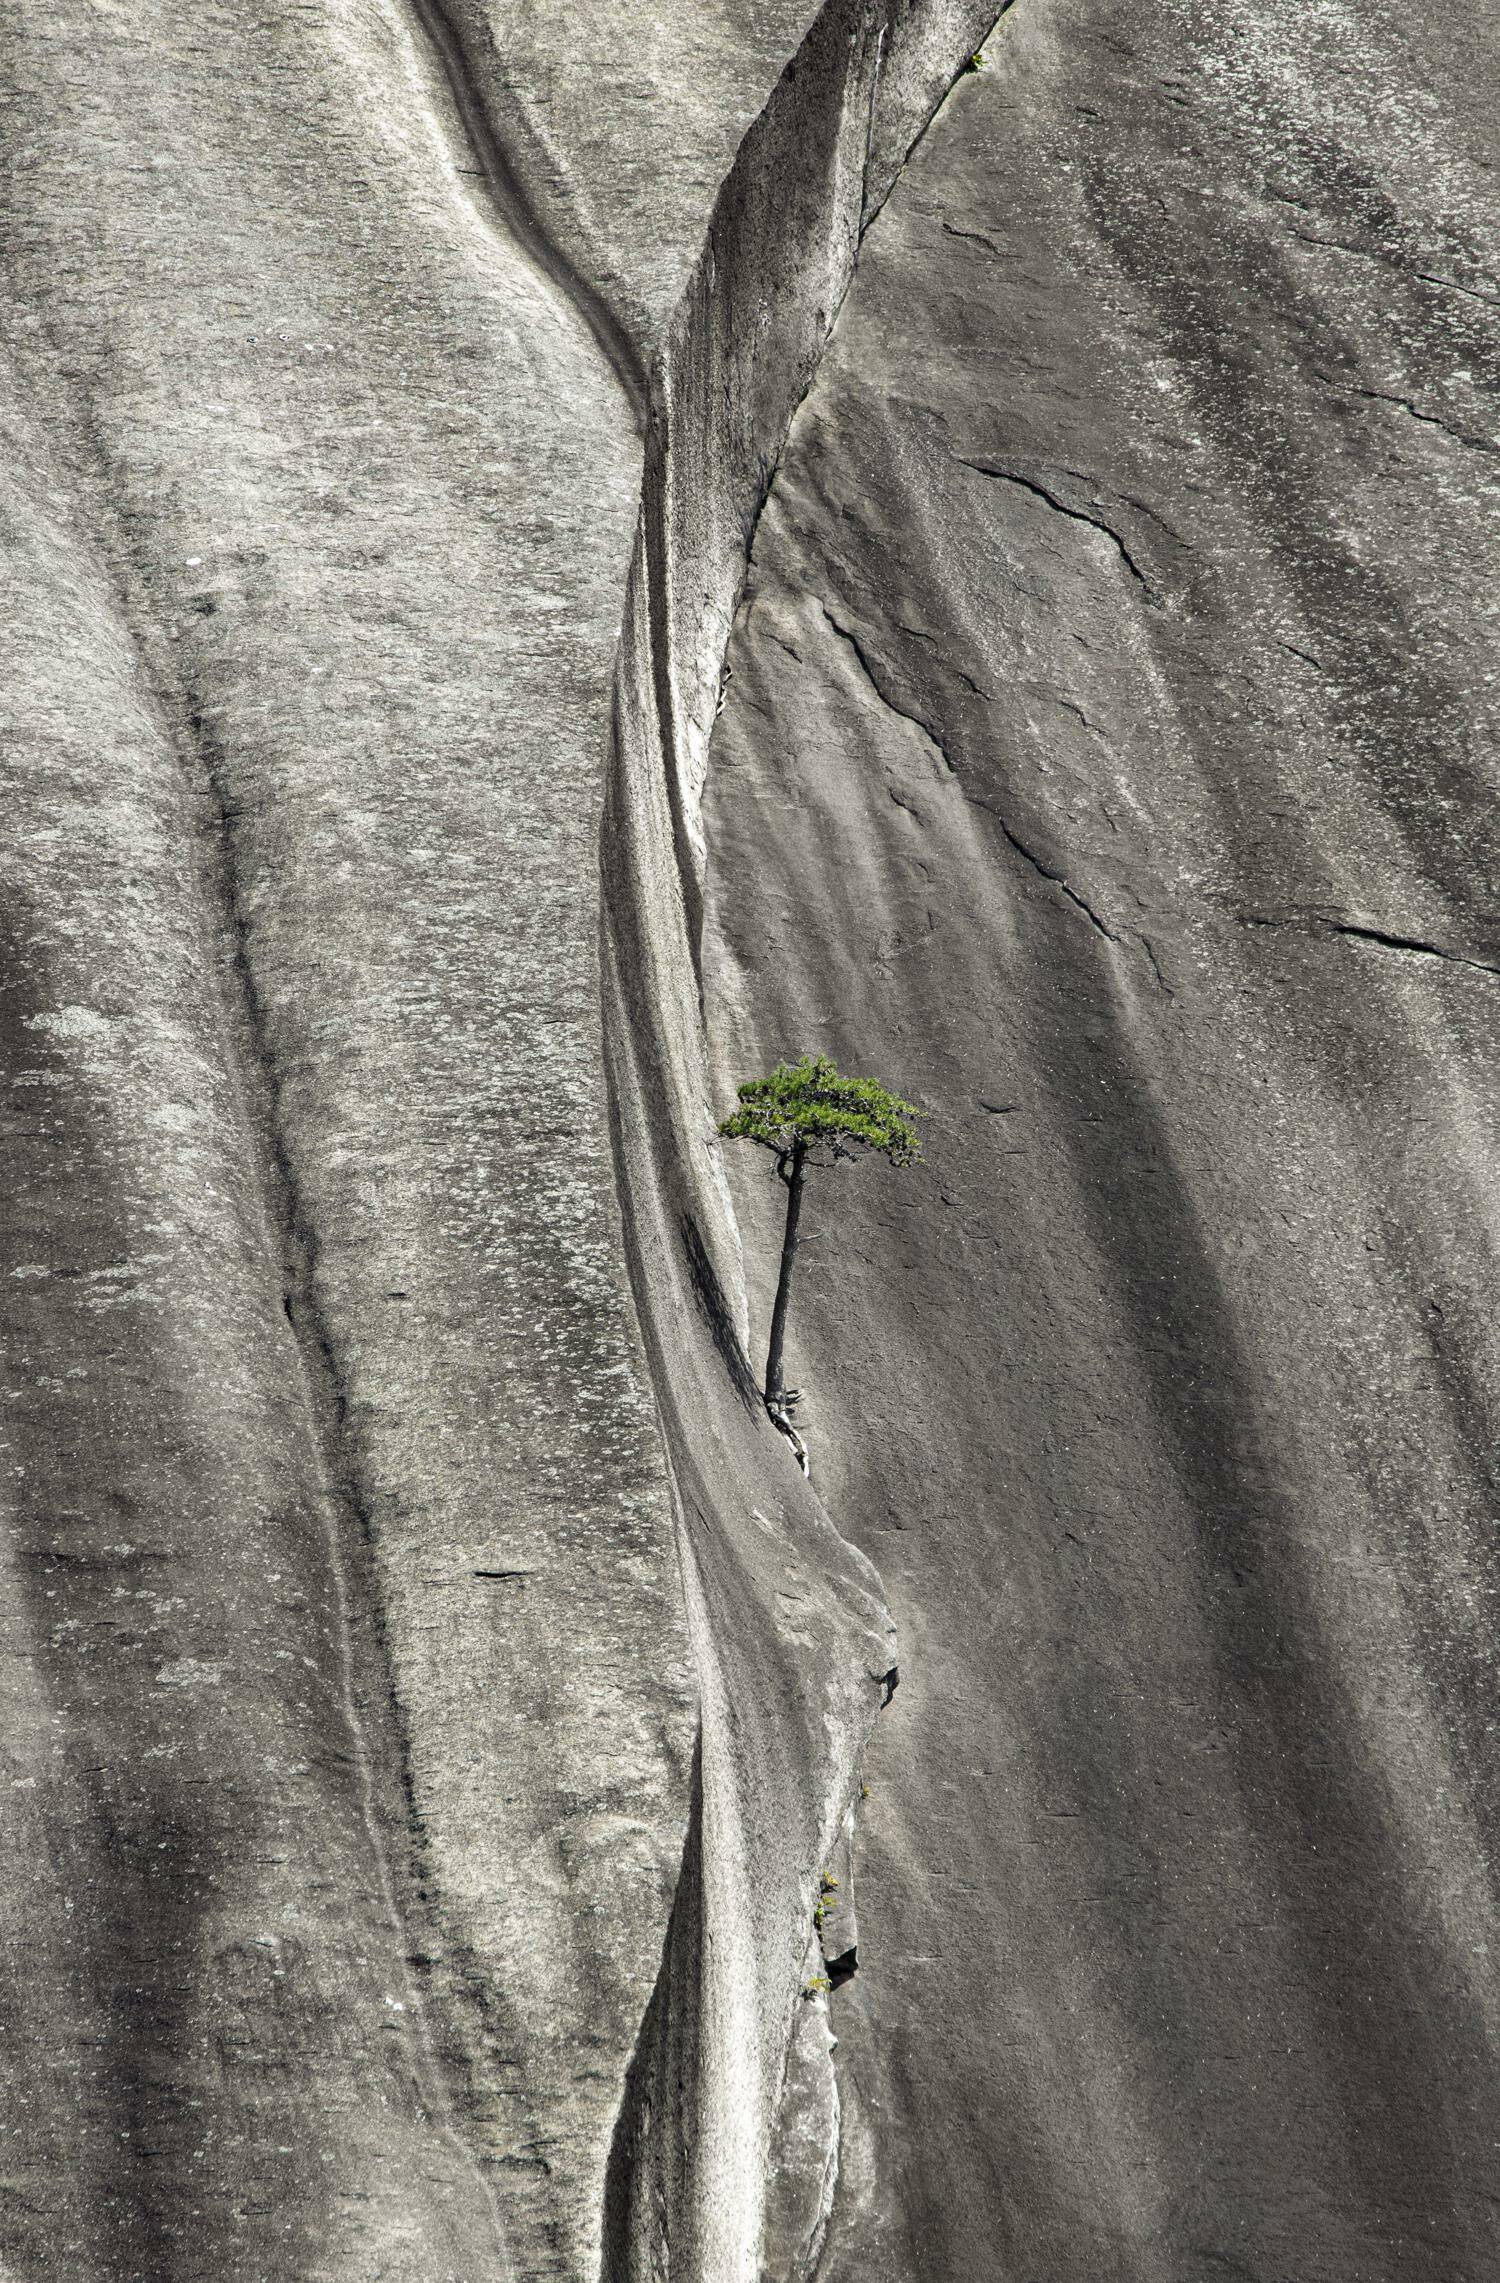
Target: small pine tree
<point x="808" y="1114"/>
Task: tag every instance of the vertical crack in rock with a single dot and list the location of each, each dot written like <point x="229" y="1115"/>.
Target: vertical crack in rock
<point x="688" y="2173"/>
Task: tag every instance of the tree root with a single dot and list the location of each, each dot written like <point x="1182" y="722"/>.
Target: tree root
<point x="779" y="1408"/>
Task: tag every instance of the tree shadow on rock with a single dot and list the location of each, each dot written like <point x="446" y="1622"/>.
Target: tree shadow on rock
<point x="715" y="1311"/>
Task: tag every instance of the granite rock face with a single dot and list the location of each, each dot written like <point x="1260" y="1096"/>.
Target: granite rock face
<point x="361" y="1692"/>
<point x="1104" y="761"/>
<point x="434" y="1697"/>
<point x="335" y="491"/>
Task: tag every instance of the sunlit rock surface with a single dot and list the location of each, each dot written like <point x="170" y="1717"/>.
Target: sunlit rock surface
<point x="364" y="1759"/>
<point x="432" y="1694"/>
<point x="335" y="491"/>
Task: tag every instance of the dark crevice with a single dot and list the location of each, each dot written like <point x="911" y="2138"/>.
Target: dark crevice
<point x="845" y="634"/>
<point x="717" y="1314"/>
<point x="517" y="213"/>
<point x="1146" y="945"/>
<point x="1394" y="261"/>
<point x="1071" y="705"/>
<point x="656" y="562"/>
<point x="974" y="238"/>
<point x="1451" y="285"/>
<point x="864" y="194"/>
<point x="1061" y="507"/>
<point x="1044" y="871"/>
<point x="868" y="214"/>
<point x="1382" y="936"/>
<point x="918" y="634"/>
<point x="1343" y="246"/>
<point x="1428" y="419"/>
<point x="1141" y="506"/>
<point x="1414" y="411"/>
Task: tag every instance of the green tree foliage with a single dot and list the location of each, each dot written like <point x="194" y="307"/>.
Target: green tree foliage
<point x="808" y="1106"/>
<point x="808" y="1114"/>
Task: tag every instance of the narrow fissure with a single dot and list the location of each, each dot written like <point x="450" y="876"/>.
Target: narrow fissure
<point x="1388" y="941"/>
<point x="1061" y="507"/>
<point x="515" y="212"/>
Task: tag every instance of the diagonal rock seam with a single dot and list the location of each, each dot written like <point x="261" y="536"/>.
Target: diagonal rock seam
<point x="845" y="634"/>
<point x="1416" y="946"/>
<point x="1413" y="412"/>
<point x="1045" y="871"/>
<point x="1393" y="261"/>
<point x="1012" y="838"/>
<point x="1061" y="507"/>
<point x="973" y="238"/>
<point x="1427" y="419"/>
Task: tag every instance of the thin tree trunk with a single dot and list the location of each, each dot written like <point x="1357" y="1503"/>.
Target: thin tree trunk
<point x="775" y="1386"/>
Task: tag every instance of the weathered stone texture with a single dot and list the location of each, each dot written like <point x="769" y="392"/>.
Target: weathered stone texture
<point x="1104" y="761"/>
<point x="431" y="1694"/>
<point x="355" y="487"/>
<point x="331" y="338"/>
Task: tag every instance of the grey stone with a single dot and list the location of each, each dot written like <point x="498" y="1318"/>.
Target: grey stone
<point x="434" y="1696"/>
<point x="1104" y="761"/>
<point x="352" y="1855"/>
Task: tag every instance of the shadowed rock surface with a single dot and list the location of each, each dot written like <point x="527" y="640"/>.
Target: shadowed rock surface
<point x="1104" y="762"/>
<point x="433" y="1697"/>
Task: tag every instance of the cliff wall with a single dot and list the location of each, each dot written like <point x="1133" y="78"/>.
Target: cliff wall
<point x="356" y="1680"/>
<point x="1106" y="760"/>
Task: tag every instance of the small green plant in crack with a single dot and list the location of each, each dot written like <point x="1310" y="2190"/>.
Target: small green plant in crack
<point x="976" y="61"/>
<point x="816" y="1986"/>
<point x="807" y="1113"/>
<point x="827" y="1901"/>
